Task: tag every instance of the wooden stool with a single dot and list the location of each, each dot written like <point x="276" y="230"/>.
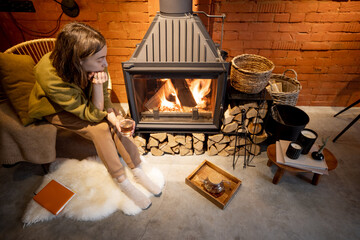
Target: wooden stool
<point x="271" y="152"/>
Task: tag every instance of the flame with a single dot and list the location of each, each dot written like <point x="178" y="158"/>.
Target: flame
<point x="168" y="95"/>
<point x="199" y="89"/>
<point x="169" y="92"/>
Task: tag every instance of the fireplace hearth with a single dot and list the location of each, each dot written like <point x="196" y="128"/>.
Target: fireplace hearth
<point x="176" y="79"/>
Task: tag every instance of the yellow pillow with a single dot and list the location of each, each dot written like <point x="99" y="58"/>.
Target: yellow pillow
<point x="17" y="80"/>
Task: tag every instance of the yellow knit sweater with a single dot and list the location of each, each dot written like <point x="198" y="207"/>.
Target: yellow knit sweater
<point x="51" y="94"/>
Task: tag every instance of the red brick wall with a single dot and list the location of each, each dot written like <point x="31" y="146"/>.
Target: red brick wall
<point x="318" y="39"/>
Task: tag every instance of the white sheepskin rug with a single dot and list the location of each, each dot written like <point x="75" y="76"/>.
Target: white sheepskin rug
<point x="97" y="194"/>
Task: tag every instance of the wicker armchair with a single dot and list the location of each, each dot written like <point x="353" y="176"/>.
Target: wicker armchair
<point x="35" y="48"/>
<point x="39" y="142"/>
<point x="38" y="48"/>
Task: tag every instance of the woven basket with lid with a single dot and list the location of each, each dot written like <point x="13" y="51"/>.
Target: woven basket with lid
<point x="250" y="73"/>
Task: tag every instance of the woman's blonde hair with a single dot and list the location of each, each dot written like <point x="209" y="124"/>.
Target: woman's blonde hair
<point x="75" y="42"/>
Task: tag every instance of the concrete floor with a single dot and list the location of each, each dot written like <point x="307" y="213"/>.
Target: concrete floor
<point x="293" y="209"/>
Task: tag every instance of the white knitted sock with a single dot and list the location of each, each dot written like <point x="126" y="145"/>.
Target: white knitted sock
<point x="134" y="194"/>
<point x="144" y="180"/>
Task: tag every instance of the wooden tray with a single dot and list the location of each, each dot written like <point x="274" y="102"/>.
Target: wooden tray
<point x="206" y="168"/>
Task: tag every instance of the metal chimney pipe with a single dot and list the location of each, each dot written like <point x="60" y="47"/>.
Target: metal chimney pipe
<point x="175" y="6"/>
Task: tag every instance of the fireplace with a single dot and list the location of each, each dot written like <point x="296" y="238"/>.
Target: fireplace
<point x="176" y="78"/>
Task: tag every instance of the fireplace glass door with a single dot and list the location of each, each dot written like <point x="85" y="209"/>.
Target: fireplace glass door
<point x="171" y="99"/>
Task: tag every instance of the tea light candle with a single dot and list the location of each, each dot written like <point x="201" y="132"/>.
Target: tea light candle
<point x="295" y="145"/>
<point x="294" y="150"/>
<point x="308" y="134"/>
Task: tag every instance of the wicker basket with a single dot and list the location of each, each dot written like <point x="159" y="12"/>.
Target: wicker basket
<point x="290" y="88"/>
<point x="250" y="73"/>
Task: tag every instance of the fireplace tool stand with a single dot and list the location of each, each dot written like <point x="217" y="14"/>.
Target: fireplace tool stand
<point x="246" y="155"/>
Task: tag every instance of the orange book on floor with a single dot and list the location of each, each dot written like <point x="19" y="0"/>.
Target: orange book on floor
<point x="54" y="197"/>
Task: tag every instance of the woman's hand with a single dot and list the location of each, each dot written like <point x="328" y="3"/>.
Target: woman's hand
<point x="98" y="77"/>
<point x="115" y="118"/>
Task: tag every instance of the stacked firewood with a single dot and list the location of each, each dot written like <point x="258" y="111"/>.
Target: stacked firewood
<point x="246" y="119"/>
<point x="161" y="143"/>
<point x="225" y="145"/>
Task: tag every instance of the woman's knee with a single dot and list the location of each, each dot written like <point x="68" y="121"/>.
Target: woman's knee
<point x="99" y="129"/>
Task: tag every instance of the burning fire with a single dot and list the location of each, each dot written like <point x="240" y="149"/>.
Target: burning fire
<point x="169" y="92"/>
<point x="192" y="94"/>
<point x="199" y="88"/>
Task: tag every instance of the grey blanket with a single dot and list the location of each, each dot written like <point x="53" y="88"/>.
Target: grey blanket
<point x="34" y="143"/>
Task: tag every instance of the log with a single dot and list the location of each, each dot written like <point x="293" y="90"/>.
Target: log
<point x="227" y="112"/>
<point x="257" y="120"/>
<point x="153" y="143"/>
<point x="259" y="138"/>
<point x="184" y="151"/>
<point x="184" y="94"/>
<point x="199" y="152"/>
<point x="188" y="139"/>
<point x="216" y="138"/>
<point x="255" y="128"/>
<point x="188" y="145"/>
<point x="171" y="140"/>
<point x="225" y="139"/>
<point x="232" y="141"/>
<point x="199" y="136"/>
<point x="156" y="152"/>
<point x="220" y="146"/>
<point x="274" y="86"/>
<point x="210" y="143"/>
<point x="161" y="145"/>
<point x="155" y="100"/>
<point x="240" y="142"/>
<point x="230" y="150"/>
<point x="246" y="122"/>
<point x="227" y="117"/>
<point x="212" y="151"/>
<point x="251" y="113"/>
<point x="241" y="130"/>
<point x="238" y="118"/>
<point x="199" y="146"/>
<point x="159" y="136"/>
<point x="235" y="110"/>
<point x="230" y="127"/>
<point x="167" y="149"/>
<point x="176" y="149"/>
<point x="180" y="139"/>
